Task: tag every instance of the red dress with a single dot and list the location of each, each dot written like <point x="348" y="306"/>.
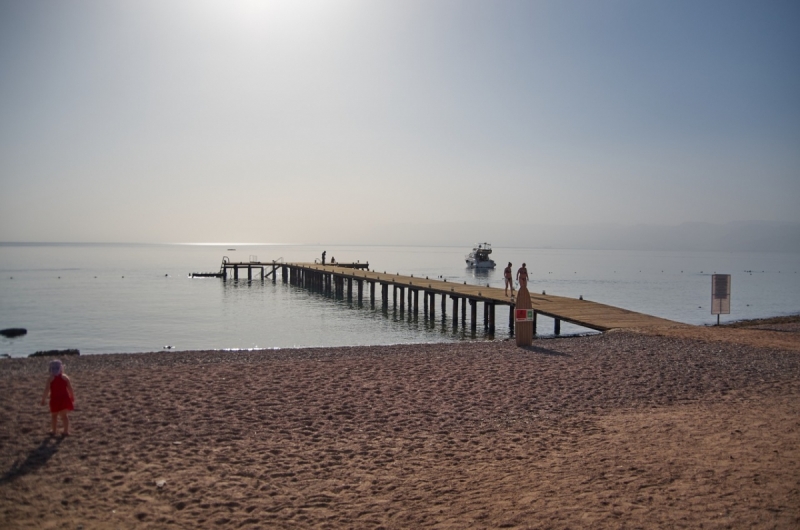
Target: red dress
<point x="59" y="396"/>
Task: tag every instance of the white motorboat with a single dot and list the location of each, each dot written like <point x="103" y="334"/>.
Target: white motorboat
<point x="479" y="257"/>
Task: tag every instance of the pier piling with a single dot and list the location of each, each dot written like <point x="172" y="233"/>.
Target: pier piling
<point x="473" y="308"/>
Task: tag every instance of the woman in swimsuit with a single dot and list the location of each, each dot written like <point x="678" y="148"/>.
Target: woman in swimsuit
<point x="522" y="277"/>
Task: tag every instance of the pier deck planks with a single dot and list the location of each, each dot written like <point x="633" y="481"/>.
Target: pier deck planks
<point x="592" y="315"/>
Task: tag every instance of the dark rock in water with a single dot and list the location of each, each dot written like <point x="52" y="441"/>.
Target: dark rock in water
<point x="13" y="332"/>
<point x="54" y="353"/>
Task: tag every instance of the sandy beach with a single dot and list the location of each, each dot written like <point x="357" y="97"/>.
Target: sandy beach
<point x="697" y="428"/>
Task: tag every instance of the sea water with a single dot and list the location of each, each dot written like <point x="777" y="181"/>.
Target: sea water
<point x="106" y="298"/>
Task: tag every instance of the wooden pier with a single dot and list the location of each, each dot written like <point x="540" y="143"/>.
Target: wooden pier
<point x="420" y="294"/>
<point x="264" y="269"/>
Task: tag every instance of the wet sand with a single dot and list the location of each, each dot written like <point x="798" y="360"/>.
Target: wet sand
<point x="621" y="430"/>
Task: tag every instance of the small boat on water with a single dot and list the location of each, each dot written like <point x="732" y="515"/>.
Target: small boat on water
<point x="479" y="257"/>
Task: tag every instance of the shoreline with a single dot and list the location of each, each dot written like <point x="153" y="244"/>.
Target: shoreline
<point x="604" y="431"/>
<point x="789" y="323"/>
<point x="786" y="319"/>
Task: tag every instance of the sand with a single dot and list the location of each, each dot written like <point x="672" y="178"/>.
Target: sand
<point x="621" y="430"/>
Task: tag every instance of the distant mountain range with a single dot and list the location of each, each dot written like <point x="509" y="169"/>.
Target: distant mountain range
<point x="758" y="236"/>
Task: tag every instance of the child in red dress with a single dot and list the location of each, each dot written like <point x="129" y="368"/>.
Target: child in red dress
<point x="62" y="399"/>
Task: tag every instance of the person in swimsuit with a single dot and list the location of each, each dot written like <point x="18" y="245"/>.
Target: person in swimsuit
<point x="62" y="398"/>
<point x="509" y="279"/>
<point x="522" y="277"/>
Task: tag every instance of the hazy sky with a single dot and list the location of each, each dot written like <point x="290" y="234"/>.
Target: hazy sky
<point x="190" y="121"/>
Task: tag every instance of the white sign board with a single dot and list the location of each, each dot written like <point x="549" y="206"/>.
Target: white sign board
<point x="721" y="294"/>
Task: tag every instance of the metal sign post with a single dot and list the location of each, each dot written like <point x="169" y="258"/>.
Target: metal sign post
<point x="720" y="295"/>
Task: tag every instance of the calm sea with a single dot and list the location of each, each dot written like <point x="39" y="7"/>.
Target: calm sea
<point x="106" y="298"/>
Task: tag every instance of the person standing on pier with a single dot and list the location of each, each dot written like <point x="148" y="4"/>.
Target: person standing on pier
<point x="522" y="277"/>
<point x="323" y="256"/>
<point x="509" y="279"/>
